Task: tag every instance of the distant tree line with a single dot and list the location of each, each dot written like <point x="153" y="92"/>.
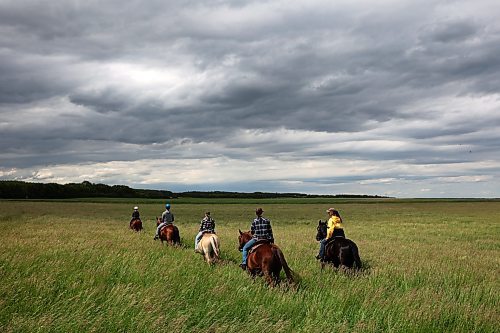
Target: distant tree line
<point x="265" y="195"/>
<point x="23" y="190"/>
<point x="13" y="189"/>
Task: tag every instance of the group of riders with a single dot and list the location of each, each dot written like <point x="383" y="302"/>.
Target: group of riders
<point x="260" y="228"/>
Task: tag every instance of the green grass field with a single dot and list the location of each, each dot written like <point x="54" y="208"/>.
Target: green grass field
<point x="430" y="266"/>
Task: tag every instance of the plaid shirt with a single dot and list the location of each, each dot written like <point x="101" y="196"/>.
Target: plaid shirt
<point x="208" y="225"/>
<point x="261" y="229"/>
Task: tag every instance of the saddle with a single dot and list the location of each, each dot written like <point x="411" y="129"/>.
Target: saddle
<point x="332" y="239"/>
<point x="166" y="225"/>
<point x="257" y="244"/>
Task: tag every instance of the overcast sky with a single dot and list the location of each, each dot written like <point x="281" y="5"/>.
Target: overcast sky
<point x="398" y="98"/>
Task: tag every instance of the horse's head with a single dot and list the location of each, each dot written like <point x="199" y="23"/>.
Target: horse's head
<point x="243" y="238"/>
<point x="158" y="221"/>
<point x="321" y="230"/>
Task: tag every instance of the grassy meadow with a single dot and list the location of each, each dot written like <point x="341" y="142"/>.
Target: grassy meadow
<point x="68" y="266"/>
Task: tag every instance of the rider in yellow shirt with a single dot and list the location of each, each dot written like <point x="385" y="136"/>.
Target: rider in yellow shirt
<point x="334" y="229"/>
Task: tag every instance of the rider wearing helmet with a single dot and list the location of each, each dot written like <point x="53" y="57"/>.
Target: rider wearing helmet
<point x="135" y="214"/>
<point x="167" y="218"/>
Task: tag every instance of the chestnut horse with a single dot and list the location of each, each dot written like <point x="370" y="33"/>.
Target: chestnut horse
<point x="339" y="250"/>
<point x="169" y="233"/>
<point x="265" y="259"/>
<point x="136" y="224"/>
<point x="208" y="246"/>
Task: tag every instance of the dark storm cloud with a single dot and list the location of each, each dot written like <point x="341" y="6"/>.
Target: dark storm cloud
<point x="90" y="81"/>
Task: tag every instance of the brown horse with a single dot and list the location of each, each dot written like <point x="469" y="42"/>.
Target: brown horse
<point x="208" y="246"/>
<point x="169" y="233"/>
<point x="136" y="225"/>
<point x="265" y="259"/>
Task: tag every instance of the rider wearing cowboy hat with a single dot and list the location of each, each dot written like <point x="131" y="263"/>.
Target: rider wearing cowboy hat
<point x="335" y="229"/>
<point x="260" y="229"/>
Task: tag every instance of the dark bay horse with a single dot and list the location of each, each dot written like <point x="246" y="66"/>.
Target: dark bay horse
<point x="136" y="224"/>
<point x="339" y="250"/>
<point x="265" y="259"/>
<point x="169" y="233"/>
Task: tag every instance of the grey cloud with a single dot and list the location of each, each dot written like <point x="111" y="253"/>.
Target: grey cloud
<point x="348" y="69"/>
<point x="455" y="31"/>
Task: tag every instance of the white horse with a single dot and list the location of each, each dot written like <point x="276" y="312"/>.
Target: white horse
<point x="208" y="246"/>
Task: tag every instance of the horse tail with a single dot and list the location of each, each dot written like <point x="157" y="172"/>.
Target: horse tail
<point x="215" y="245"/>
<point x="176" y="237"/>
<point x="355" y="254"/>
<point x="289" y="273"/>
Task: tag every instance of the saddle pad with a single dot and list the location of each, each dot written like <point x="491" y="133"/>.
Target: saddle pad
<point x="332" y="239"/>
<point x="257" y="245"/>
<point x="165" y="226"/>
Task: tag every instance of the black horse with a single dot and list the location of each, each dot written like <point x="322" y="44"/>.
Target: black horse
<point x="339" y="250"/>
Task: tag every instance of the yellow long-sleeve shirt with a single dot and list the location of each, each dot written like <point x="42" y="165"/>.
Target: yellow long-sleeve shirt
<point x="334" y="222"/>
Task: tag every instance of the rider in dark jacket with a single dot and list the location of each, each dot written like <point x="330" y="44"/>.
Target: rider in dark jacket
<point x="135" y="214"/>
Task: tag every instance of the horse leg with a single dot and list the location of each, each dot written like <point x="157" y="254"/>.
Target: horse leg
<point x="252" y="272"/>
<point x="208" y="258"/>
<point x="355" y="254"/>
<point x="268" y="276"/>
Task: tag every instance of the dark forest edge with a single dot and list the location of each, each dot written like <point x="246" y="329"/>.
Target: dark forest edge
<point x="13" y="189"/>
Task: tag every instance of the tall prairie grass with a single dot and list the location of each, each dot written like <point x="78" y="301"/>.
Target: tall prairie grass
<point x="76" y="267"/>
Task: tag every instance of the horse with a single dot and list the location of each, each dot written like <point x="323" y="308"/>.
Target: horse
<point x="339" y="251"/>
<point x="169" y="233"/>
<point x="208" y="246"/>
<point x="265" y="259"/>
<point x="136" y="224"/>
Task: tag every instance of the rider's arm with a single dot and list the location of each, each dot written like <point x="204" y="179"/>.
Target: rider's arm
<point x="329" y="230"/>
<point x="270" y="230"/>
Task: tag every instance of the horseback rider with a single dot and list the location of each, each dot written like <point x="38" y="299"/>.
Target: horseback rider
<point x="167" y="218"/>
<point x="135" y="214"/>
<point x="207" y="225"/>
<point x="335" y="229"/>
<point x="261" y="230"/>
